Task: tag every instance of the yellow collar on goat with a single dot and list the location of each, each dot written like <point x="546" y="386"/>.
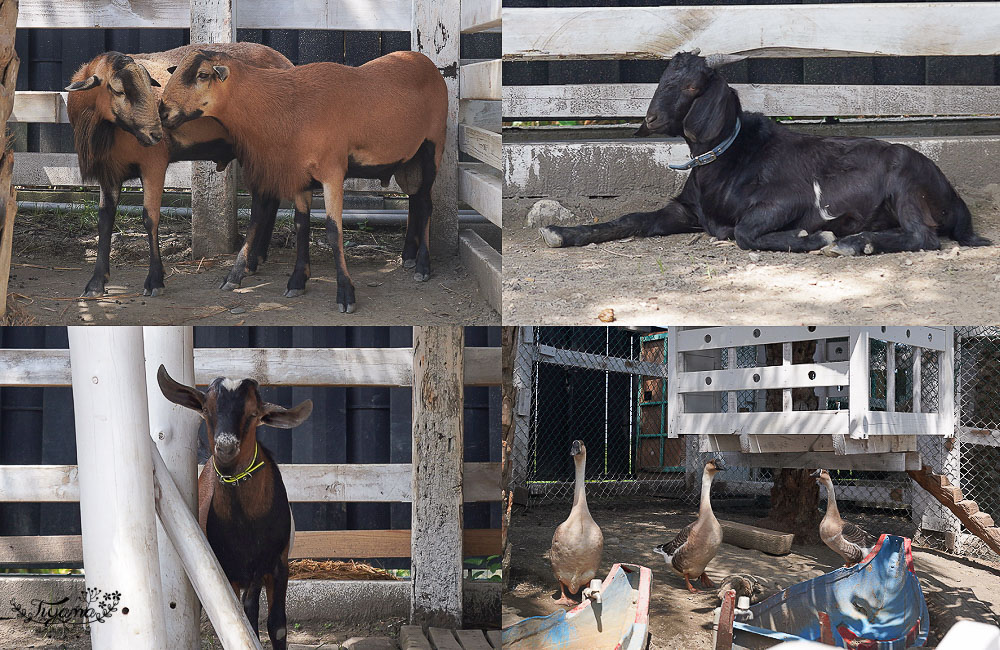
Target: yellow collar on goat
<point x="236" y="478"/>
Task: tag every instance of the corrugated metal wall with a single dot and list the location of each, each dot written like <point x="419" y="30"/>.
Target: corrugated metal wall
<point x="49" y="57"/>
<point x="348" y="425"/>
<point x="961" y="70"/>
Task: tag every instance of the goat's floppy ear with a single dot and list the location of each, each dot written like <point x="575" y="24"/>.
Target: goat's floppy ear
<point x="222" y="71"/>
<point x="171" y="69"/>
<point x="86" y="84"/>
<point x="709" y="112"/>
<point x="179" y="393"/>
<point x="282" y="418"/>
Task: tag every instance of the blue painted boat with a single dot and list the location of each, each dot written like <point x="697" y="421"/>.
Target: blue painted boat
<point x="619" y="622"/>
<point x="876" y="604"/>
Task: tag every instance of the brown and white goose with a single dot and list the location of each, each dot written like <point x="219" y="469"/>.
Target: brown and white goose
<point x="578" y="543"/>
<point x="850" y="542"/>
<point x="698" y="542"/>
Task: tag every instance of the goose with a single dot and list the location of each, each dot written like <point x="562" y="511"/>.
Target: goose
<point x="850" y="542"/>
<point x="578" y="543"/>
<point x="698" y="542"/>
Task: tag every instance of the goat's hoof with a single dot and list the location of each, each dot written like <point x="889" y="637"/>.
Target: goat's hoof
<point x="152" y="292"/>
<point x="839" y="249"/>
<point x="294" y="293"/>
<point x="409" y="264"/>
<point x="551" y="238"/>
<point x="349" y="308"/>
<point x="229" y="285"/>
<point x="93" y="293"/>
<point x="827" y="236"/>
<point x="422" y="277"/>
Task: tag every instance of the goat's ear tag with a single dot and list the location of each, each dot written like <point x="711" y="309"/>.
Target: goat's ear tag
<point x="222" y="71"/>
<point x="86" y="84"/>
<point x="171" y="69"/>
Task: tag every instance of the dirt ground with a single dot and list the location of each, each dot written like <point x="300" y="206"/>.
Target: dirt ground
<point x="689" y="279"/>
<point x="15" y="634"/>
<point x="54" y="257"/>
<point x="954" y="587"/>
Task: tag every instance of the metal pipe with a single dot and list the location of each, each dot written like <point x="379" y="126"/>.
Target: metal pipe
<point x="384" y="218"/>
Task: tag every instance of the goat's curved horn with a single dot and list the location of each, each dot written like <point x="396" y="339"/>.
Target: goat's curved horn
<point x="718" y="60"/>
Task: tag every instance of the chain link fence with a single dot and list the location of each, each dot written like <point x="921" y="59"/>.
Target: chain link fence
<point x="607" y="386"/>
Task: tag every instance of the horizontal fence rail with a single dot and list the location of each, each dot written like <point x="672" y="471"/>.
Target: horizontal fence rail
<point x="898" y="29"/>
<point x="305" y="483"/>
<point x="269" y="366"/>
<point x="346" y="15"/>
<point x="797" y="100"/>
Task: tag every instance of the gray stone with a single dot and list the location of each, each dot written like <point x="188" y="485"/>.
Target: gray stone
<point x="547" y="212"/>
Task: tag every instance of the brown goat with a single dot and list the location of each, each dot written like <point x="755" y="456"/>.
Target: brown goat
<point x="319" y="124"/>
<point x="242" y="505"/>
<point x="112" y="106"/>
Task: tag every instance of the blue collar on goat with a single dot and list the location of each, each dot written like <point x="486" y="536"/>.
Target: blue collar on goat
<point x="710" y="156"/>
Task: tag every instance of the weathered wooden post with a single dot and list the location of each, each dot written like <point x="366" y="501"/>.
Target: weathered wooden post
<point x="117" y="515"/>
<point x="436" y="31"/>
<point x="438" y="448"/>
<point x="9" y="63"/>
<point x="213" y="194"/>
<point x="221" y="604"/>
<point x="175" y="431"/>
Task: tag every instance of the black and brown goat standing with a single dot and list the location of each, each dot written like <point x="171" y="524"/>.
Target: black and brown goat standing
<point x="317" y="124"/>
<point x="242" y="505"/>
<point x="113" y="108"/>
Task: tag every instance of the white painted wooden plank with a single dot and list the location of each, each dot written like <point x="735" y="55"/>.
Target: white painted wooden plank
<point x="675" y="366"/>
<point x="481" y="144"/>
<point x="269" y="366"/>
<point x="890" y="377"/>
<point x="485" y="263"/>
<point x="917" y="381"/>
<point x="859" y="390"/>
<point x="790" y="376"/>
<point x="484" y="113"/>
<point x="977" y="436"/>
<point x="482" y="80"/>
<point x="39" y="106"/>
<point x="946" y="388"/>
<point x="763" y="423"/>
<point x="347" y="15"/>
<point x="800" y="100"/>
<point x="46" y="169"/>
<point x="864" y="494"/>
<point x="881" y="423"/>
<point x="575" y="359"/>
<point x="481" y="188"/>
<point x="898" y="29"/>
<point x="932" y="338"/>
<point x="712" y="338"/>
<point x="305" y="483"/>
<point x="800" y="443"/>
<point x="890" y="462"/>
<point x="480" y="15"/>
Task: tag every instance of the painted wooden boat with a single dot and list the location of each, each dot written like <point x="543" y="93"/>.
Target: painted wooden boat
<point x="619" y="622"/>
<point x="876" y="604"/>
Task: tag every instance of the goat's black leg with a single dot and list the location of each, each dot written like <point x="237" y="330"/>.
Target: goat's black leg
<point x="420" y="213"/>
<point x="669" y="220"/>
<point x="258" y="253"/>
<point x="246" y="260"/>
<point x="277" y="587"/>
<point x="297" y="281"/>
<point x="107" y="210"/>
<point x="764" y="229"/>
<point x="251" y="604"/>
<point x="895" y="240"/>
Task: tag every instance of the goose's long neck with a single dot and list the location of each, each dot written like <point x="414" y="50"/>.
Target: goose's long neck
<point x="580" y="491"/>
<point x="831" y="501"/>
<point x="705" y="509"/>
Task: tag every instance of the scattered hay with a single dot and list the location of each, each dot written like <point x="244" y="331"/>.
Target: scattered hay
<point x="333" y="570"/>
<point x="16" y="314"/>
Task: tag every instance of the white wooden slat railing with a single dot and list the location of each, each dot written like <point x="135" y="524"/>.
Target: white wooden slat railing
<point x="897" y="29"/>
<point x="269" y="366"/>
<point x="480" y="15"/>
<point x="305" y="483"/>
<point x="631" y="100"/>
<point x="347" y="15"/>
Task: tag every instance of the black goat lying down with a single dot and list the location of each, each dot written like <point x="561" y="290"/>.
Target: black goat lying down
<point x="773" y="189"/>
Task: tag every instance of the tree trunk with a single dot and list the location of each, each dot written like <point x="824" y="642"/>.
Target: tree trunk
<point x="8" y="196"/>
<point x="795" y="494"/>
<point x="507" y="423"/>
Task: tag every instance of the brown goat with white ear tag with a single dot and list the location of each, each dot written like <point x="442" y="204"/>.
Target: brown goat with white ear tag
<point x="242" y="505"/>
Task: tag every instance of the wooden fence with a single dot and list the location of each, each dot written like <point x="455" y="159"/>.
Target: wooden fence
<point x="382" y="483"/>
<point x="759" y="31"/>
<point x="474" y="114"/>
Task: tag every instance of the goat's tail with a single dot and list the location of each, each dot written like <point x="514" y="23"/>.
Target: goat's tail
<point x="962" y="231"/>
